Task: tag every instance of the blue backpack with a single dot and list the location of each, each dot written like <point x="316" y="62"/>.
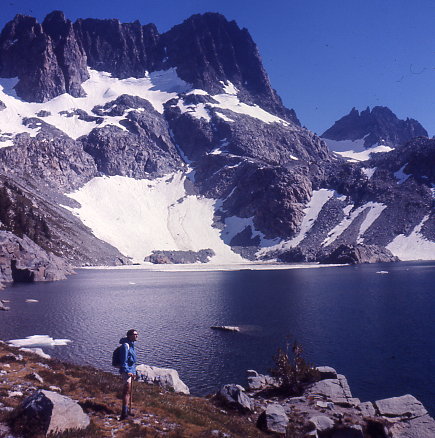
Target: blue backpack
<point x="116" y="355"/>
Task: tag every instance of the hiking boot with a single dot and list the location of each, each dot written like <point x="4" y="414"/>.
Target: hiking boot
<point x="131" y="414"/>
<point x="123" y="417"/>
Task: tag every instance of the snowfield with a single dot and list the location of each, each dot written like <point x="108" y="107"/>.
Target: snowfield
<point x="413" y="247"/>
<point x="354" y="150"/>
<point x="139" y="216"/>
<point x="157" y="88"/>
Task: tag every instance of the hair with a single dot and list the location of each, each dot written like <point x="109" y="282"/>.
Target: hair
<point x="130" y="332"/>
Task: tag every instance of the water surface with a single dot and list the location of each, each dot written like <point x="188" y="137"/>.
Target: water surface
<point x="377" y="329"/>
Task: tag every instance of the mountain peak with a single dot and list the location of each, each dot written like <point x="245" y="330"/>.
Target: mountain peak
<point x="376" y="126"/>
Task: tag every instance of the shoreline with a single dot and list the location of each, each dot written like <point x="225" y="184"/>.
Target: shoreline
<point x="197" y="267"/>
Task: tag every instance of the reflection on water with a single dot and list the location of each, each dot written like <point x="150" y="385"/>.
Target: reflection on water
<point x="376" y="329"/>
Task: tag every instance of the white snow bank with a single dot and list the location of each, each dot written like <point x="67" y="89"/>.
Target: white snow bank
<point x="375" y="209"/>
<point x="354" y="150"/>
<point x="413" y="247"/>
<point x="228" y="100"/>
<point x="234" y="225"/>
<point x="38" y="351"/>
<point x="400" y="175"/>
<point x="139" y="216"/>
<point x="157" y="88"/>
<point x="38" y="341"/>
<point x="368" y="171"/>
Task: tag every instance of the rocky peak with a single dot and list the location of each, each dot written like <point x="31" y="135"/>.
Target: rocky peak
<point x="123" y="49"/>
<point x="208" y="51"/>
<point x="46" y="58"/>
<point x="377" y="126"/>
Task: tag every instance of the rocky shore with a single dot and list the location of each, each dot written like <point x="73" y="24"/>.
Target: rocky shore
<point x="41" y="396"/>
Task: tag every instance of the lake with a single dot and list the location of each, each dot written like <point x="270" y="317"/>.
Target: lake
<point x="375" y="328"/>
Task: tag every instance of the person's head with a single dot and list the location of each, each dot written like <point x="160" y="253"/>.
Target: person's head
<point x="132" y="335"/>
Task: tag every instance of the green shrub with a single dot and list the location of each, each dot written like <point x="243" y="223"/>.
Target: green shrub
<point x="292" y="371"/>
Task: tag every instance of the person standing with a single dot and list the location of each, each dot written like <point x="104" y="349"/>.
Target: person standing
<point x="127" y="369"/>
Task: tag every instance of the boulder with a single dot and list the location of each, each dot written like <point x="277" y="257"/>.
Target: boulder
<point x="48" y="412"/>
<point x="411" y="419"/>
<point x="273" y="419"/>
<point x="327" y="372"/>
<point x="234" y="396"/>
<point x="322" y="423"/>
<point x="406" y="406"/>
<point x="258" y="381"/>
<point x="334" y="390"/>
<point x="165" y="377"/>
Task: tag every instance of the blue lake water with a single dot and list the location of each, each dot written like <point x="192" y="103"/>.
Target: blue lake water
<point x="377" y="329"/>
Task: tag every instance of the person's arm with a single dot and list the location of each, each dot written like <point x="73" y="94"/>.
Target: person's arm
<point x="124" y="355"/>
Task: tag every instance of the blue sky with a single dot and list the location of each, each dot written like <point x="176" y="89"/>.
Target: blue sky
<point x="323" y="57"/>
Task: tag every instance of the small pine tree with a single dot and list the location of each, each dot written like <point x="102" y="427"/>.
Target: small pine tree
<point x="293" y="373"/>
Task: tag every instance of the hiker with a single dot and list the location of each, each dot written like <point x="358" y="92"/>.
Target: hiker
<point x="127" y="370"/>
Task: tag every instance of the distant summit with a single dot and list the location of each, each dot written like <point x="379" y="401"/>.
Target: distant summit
<point x="379" y="126"/>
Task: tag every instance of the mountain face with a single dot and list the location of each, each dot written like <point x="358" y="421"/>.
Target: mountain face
<point x="378" y="126"/>
<point x="118" y="143"/>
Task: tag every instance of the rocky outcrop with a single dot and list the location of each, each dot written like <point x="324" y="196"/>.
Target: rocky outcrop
<point x="51" y="157"/>
<point x="180" y="257"/>
<point x="377" y="126"/>
<point x="45" y="57"/>
<point x="328" y="409"/>
<point x="410" y="418"/>
<point x="143" y="149"/>
<point x="47" y="412"/>
<point x="21" y="260"/>
<point x="165" y="377"/>
<point x="354" y="254"/>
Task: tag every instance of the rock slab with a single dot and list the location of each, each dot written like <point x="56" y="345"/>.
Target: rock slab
<point x="52" y="413"/>
<point x="165" y="377"/>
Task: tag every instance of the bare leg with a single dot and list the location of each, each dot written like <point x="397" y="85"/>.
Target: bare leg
<point x="126" y="391"/>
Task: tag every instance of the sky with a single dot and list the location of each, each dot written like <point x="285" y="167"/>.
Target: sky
<point x="322" y="57"/>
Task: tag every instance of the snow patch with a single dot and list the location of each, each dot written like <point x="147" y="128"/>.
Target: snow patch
<point x="229" y="101"/>
<point x="354" y="150"/>
<point x="234" y="225"/>
<point x="368" y="171"/>
<point x="38" y="351"/>
<point x="413" y="247"/>
<point x="139" y="216"/>
<point x="400" y="175"/>
<point x="375" y="209"/>
<point x="38" y="341"/>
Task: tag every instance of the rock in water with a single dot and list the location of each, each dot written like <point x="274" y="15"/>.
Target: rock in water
<point x="48" y="412"/>
<point x="164" y="377"/>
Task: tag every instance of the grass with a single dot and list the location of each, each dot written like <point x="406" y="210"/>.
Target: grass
<point x="158" y="413"/>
